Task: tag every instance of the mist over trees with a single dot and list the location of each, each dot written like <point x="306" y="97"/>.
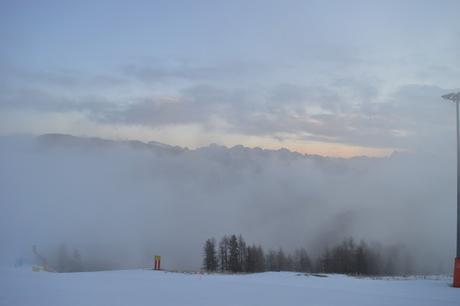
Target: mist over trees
<point x="60" y="260"/>
<point x="346" y="257"/>
<point x="119" y="203"/>
<point x="68" y="261"/>
<point x="233" y="255"/>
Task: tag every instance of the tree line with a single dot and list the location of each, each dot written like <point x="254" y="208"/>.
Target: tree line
<point x="232" y="254"/>
<point x="61" y="260"/>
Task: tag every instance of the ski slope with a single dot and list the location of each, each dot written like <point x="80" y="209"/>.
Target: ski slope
<point x="147" y="287"/>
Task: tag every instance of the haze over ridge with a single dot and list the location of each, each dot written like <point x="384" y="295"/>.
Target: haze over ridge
<point x="122" y="202"/>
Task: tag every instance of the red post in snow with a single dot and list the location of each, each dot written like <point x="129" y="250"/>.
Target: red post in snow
<point x="457" y="273"/>
<point x="157" y="262"/>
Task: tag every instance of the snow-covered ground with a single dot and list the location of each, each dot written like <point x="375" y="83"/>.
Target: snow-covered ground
<point x="147" y="287"/>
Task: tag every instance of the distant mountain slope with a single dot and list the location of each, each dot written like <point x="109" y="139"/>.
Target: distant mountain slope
<point x="212" y="151"/>
<point x="64" y="140"/>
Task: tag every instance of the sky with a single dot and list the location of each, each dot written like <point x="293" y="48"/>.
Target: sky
<point x="335" y="78"/>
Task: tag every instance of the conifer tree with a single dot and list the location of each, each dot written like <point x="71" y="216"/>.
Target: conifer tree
<point x="259" y="260"/>
<point x="242" y="254"/>
<point x="210" y="258"/>
<point x="234" y="259"/>
<point x="224" y="254"/>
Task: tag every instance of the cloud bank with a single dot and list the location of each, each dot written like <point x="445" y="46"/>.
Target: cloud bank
<point x="120" y="203"/>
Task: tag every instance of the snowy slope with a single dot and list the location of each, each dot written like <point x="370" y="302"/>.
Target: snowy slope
<point x="146" y="287"/>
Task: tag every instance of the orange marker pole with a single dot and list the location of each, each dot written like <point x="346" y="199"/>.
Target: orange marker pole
<point x="157" y="262"/>
<point x="457" y="273"/>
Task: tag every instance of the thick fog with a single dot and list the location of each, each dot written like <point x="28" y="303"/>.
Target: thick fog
<point x="121" y="203"/>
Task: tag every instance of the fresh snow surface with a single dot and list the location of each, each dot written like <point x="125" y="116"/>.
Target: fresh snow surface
<point x="21" y="286"/>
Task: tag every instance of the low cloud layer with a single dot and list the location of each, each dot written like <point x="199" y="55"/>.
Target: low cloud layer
<point x="120" y="203"/>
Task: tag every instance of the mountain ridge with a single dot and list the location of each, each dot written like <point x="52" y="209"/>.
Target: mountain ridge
<point x="63" y="140"/>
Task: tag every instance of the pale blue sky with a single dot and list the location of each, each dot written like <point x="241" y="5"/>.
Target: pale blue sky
<point x="328" y="77"/>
